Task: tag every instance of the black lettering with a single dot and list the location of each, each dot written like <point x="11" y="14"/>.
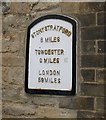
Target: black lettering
<point x="41" y="40"/>
<point x="40" y="60"/>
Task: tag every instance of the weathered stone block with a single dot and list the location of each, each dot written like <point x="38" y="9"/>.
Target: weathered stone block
<point x="78" y="103"/>
<point x="5" y="7"/>
<point x="13" y="61"/>
<point x="101" y="18"/>
<point x="86" y="19"/>
<point x="88" y="75"/>
<point x="100" y="103"/>
<point x="46" y="101"/>
<point x="101" y="46"/>
<point x="10" y="46"/>
<point x="51" y="112"/>
<point x="8" y="21"/>
<point x="93" y="61"/>
<point x="16" y="21"/>
<point x="100" y="114"/>
<point x="93" y="33"/>
<point x="18" y="109"/>
<point x="11" y="92"/>
<point x="88" y="89"/>
<point x="86" y="114"/>
<point x="52" y="11"/>
<point x="88" y="47"/>
<point x="41" y="6"/>
<point x="69" y="7"/>
<point x="101" y="75"/>
<point x="91" y="7"/>
<point x="19" y="7"/>
<point x="21" y="37"/>
<point x="13" y="75"/>
<point x="81" y="7"/>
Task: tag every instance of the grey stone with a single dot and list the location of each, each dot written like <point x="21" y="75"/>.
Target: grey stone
<point x="93" y="61"/>
<point x="88" y="75"/>
<point x="5" y="7"/>
<point x="78" y="103"/>
<point x="88" y="47"/>
<point x="13" y="61"/>
<point x="90" y="89"/>
<point x="93" y="33"/>
<point x="13" y="75"/>
<point x="86" y="114"/>
<point x="100" y="103"/>
<point x="102" y="47"/>
<point x="101" y="75"/>
<point x="19" y="109"/>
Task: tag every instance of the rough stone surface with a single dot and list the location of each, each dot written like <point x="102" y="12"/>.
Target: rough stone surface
<point x="88" y="47"/>
<point x="100" y="114"/>
<point x="102" y="47"/>
<point x="13" y="75"/>
<point x="101" y="75"/>
<point x="91" y="7"/>
<point x="5" y="8"/>
<point x="83" y="19"/>
<point x="68" y="8"/>
<point x="88" y="101"/>
<point x="93" y="61"/>
<point x="89" y="89"/>
<point x="18" y="7"/>
<point x="93" y="33"/>
<point x="100" y="103"/>
<point x="12" y="61"/>
<point x="101" y="18"/>
<point x="74" y="103"/>
<point x="19" y="109"/>
<point x="88" y="75"/>
<point x="86" y="114"/>
<point x="10" y="46"/>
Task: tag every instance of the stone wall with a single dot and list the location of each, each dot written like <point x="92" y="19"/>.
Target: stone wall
<point x="91" y="50"/>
